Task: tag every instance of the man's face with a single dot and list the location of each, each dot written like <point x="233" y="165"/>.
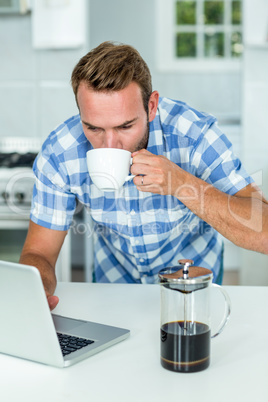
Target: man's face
<point x="116" y="119"/>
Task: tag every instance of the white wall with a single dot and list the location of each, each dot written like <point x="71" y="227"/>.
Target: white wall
<point x="35" y="92"/>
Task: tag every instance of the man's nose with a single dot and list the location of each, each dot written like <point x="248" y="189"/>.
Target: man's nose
<point x="112" y="140"/>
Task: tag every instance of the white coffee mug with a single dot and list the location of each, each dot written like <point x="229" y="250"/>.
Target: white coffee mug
<point x="109" y="167"/>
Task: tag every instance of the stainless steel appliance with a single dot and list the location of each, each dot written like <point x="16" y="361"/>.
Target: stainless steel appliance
<point x="16" y="185"/>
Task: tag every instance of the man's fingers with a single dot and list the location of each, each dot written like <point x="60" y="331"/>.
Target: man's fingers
<point x="141" y="151"/>
<point x="147" y="158"/>
<point x="52" y="301"/>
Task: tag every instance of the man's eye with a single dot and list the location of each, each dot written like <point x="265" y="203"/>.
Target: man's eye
<point x="94" y="129"/>
<point x="126" y="127"/>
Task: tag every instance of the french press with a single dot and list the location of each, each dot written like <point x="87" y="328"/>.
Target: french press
<point x="185" y="317"/>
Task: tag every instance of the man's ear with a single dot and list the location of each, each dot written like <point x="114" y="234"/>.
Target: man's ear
<point x="152" y="105"/>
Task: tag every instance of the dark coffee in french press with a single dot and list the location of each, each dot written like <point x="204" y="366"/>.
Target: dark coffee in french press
<point x="185" y="351"/>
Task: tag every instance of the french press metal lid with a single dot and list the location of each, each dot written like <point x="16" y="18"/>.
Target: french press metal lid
<point x="186" y="276"/>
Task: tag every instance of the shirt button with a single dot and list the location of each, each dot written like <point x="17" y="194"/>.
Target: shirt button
<point x="137" y="242"/>
<point x="132" y="212"/>
<point x="141" y="260"/>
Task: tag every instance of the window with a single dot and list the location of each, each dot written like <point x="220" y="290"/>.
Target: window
<point x="199" y="34"/>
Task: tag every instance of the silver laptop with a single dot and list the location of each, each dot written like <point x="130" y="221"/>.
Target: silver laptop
<point x="30" y="331"/>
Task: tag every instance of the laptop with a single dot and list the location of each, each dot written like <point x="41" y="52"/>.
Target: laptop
<point x="30" y="331"/>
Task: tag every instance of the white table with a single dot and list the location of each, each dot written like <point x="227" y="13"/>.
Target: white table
<point x="131" y="370"/>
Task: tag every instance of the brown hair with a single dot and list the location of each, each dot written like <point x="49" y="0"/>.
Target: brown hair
<point x="111" y="67"/>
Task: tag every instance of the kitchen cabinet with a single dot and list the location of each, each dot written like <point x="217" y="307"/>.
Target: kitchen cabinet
<point x="254" y="121"/>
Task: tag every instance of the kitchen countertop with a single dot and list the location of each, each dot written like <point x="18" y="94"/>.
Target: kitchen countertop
<point x="131" y="370"/>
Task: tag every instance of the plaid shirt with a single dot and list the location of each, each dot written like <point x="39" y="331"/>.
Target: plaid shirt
<point x="136" y="234"/>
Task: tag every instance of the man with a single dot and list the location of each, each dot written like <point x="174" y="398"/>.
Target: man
<point x="188" y="186"/>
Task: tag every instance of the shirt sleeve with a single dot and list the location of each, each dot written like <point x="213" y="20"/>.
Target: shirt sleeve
<point x="215" y="162"/>
<point x="53" y="205"/>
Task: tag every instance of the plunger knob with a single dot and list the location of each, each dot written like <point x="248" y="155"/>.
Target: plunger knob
<point x="186" y="264"/>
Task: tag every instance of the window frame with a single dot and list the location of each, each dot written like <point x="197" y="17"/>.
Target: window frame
<point x="165" y="39"/>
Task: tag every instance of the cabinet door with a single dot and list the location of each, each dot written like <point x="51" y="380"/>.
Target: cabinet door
<point x="255" y="147"/>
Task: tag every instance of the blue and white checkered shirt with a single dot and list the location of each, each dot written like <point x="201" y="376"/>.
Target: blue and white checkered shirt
<point x="138" y="233"/>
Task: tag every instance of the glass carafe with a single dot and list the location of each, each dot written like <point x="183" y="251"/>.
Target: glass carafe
<point x="186" y="317"/>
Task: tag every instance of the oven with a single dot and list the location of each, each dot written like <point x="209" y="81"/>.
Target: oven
<point x="16" y="184"/>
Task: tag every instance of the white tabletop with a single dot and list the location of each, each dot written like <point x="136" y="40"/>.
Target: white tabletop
<point x="131" y="370"/>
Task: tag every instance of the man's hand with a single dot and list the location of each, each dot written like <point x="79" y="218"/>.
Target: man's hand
<point x="156" y="173"/>
<point x="41" y="250"/>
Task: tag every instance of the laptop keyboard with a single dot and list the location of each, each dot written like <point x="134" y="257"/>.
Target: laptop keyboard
<point x="71" y="344"/>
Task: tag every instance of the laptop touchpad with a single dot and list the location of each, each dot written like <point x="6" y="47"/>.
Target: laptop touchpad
<point x="64" y="324"/>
